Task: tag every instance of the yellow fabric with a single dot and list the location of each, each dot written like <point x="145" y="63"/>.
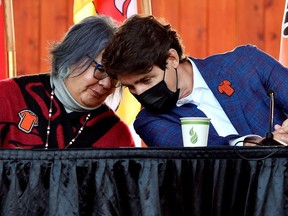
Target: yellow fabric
<point x="82" y="9"/>
<point x="128" y="108"/>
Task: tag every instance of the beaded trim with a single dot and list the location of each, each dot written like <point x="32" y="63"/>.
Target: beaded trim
<point x="49" y="124"/>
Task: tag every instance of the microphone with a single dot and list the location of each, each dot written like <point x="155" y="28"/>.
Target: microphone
<point x="268" y="140"/>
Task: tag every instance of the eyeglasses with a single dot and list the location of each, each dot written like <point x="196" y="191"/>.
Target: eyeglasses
<point x="100" y="74"/>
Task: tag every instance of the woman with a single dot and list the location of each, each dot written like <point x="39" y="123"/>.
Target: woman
<point x="65" y="108"/>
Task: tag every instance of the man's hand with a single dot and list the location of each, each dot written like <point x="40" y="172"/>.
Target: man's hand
<point x="281" y="132"/>
<point x="252" y="142"/>
<point x="280" y="135"/>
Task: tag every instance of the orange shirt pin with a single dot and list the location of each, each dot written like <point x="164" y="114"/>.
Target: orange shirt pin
<point x="225" y="87"/>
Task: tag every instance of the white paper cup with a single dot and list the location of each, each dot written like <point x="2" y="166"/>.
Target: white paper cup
<point x="195" y="131"/>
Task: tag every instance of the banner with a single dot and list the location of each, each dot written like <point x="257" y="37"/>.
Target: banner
<point x="283" y="57"/>
<point x="118" y="9"/>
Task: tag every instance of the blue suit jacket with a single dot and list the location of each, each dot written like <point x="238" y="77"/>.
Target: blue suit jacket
<point x="251" y="73"/>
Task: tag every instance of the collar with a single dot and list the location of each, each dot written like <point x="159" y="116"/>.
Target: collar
<point x="199" y="87"/>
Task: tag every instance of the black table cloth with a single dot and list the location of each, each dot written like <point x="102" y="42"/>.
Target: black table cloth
<point x="145" y="181"/>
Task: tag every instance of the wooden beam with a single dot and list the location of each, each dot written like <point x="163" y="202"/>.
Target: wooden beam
<point x="10" y="37"/>
<point x="146" y="7"/>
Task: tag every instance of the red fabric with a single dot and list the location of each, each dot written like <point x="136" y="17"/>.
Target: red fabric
<point x="116" y="9"/>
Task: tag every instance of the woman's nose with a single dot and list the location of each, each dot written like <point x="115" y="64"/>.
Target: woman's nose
<point x="106" y="82"/>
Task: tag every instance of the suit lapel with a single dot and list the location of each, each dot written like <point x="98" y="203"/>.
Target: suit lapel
<point x="225" y="90"/>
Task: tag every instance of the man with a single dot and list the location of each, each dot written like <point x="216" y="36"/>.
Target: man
<point x="230" y="88"/>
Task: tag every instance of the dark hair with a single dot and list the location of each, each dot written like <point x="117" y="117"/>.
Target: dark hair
<point x="140" y="43"/>
<point x="87" y="38"/>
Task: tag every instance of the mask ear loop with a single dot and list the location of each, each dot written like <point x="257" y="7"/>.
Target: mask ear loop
<point x="176" y="79"/>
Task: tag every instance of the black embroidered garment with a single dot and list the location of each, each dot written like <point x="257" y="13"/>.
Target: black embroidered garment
<point x="24" y="112"/>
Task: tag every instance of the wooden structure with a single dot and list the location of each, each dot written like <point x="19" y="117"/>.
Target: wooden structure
<point x="206" y="27"/>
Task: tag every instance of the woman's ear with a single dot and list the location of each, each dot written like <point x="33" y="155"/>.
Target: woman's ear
<point x="173" y="58"/>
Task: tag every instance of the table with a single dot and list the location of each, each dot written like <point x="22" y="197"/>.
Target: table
<point x="145" y="181"/>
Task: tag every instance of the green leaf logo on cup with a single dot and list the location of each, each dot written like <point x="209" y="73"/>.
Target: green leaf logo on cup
<point x="194" y="136"/>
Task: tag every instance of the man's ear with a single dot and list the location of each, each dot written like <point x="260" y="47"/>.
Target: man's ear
<point x="173" y="58"/>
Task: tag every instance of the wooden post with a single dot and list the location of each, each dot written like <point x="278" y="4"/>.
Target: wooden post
<point x="10" y="37"/>
<point x="146" y="7"/>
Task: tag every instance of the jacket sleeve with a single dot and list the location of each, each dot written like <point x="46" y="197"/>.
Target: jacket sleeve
<point x="165" y="130"/>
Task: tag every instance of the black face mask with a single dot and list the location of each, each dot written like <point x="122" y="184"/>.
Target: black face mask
<point x="159" y="98"/>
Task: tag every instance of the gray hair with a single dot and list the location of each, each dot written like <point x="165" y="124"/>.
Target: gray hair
<point x="81" y="44"/>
